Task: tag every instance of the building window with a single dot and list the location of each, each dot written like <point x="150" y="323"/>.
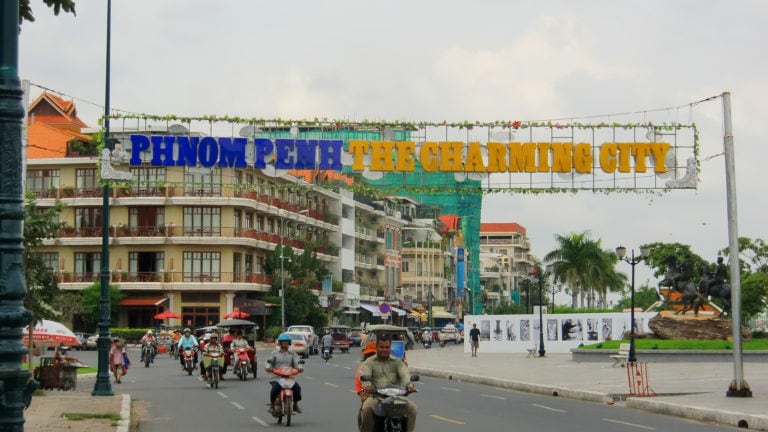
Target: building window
<point x="44" y="183"/>
<point x="200" y="316"/>
<point x="86" y="182"/>
<point x="237" y="266"/>
<point x="202" y="184"/>
<point x="202" y="266"/>
<point x="145" y="266"/>
<point x="248" y="264"/>
<point x="87" y="266"/>
<point x="146" y="221"/>
<point x="148" y="177"/>
<point x="49" y="259"/>
<point x="405" y="267"/>
<point x="88" y="221"/>
<point x="202" y="221"/>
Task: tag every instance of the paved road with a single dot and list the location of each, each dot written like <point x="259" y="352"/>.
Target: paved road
<point x="176" y="401"/>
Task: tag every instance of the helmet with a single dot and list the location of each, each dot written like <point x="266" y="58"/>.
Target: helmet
<point x="283" y="337"/>
<point x="370" y="348"/>
<point x="214" y="335"/>
<point x="187" y="330"/>
<point x="206" y="336"/>
<point x="149" y="331"/>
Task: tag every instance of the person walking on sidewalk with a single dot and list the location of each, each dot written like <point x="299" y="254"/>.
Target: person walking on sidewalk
<point x="474" y="338"/>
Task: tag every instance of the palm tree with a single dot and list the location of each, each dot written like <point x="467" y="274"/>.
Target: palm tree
<point x="581" y="264"/>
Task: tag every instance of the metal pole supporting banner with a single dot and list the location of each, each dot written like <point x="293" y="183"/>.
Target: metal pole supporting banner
<point x="738" y="387"/>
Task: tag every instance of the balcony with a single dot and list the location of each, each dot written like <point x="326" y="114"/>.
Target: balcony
<point x="161" y="277"/>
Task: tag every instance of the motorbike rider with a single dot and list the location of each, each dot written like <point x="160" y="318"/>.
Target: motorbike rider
<point x="212" y="346"/>
<point x="240" y="342"/>
<point x="150" y="337"/>
<point x="188" y="341"/>
<point x="383" y="370"/>
<point x="426" y="337"/>
<point x="327" y="341"/>
<point x="368" y="351"/>
<point x="278" y="358"/>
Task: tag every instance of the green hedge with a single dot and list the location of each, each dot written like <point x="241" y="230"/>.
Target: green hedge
<point x="130" y="335"/>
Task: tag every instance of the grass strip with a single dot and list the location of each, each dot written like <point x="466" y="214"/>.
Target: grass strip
<point x="681" y="344"/>
<point x="88" y="416"/>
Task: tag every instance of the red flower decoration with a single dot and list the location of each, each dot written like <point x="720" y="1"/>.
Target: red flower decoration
<point x="516" y="124"/>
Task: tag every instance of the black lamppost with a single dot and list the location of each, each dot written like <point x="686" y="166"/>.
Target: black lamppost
<point x="540" y="275"/>
<point x="621" y="252"/>
<point x="17" y="387"/>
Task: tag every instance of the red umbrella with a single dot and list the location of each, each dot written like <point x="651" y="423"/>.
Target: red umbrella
<point x="167" y="315"/>
<point x="237" y="314"/>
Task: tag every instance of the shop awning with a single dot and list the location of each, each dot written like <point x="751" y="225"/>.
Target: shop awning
<point x="398" y="311"/>
<point x="152" y="301"/>
<point x="419" y="315"/>
<point x="370" y="308"/>
<point x="442" y="314"/>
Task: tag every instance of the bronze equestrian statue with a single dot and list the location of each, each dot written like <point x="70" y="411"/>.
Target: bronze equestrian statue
<point x="678" y="278"/>
<point x="713" y="284"/>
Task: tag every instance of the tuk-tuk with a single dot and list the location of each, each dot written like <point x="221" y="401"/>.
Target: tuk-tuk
<point x="393" y="332"/>
<point x="340" y="335"/>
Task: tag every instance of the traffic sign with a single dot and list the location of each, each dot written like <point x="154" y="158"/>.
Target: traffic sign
<point x="384" y="308"/>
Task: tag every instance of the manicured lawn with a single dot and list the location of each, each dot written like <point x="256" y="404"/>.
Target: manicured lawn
<point x="756" y="344"/>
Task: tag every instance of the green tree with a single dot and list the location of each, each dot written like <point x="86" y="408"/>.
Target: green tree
<point x="42" y="285"/>
<point x="754" y="294"/>
<point x="581" y="264"/>
<point x="506" y="307"/>
<point x="91" y="298"/>
<point x="660" y="251"/>
<point x="753" y="254"/>
<point x="645" y="297"/>
<point x="25" y="10"/>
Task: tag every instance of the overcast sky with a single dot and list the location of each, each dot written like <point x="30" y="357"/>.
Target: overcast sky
<point x="448" y="60"/>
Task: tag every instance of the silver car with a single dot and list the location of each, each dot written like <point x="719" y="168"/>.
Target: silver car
<point x="299" y="344"/>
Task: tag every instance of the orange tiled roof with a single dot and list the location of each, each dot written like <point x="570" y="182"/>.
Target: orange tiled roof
<point x="52" y="123"/>
<point x="310" y="176"/>
<point x="491" y="227"/>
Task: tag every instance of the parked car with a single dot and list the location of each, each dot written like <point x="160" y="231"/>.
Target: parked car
<point x="83" y="338"/>
<point x="91" y="342"/>
<point x="312" y="338"/>
<point x="299" y="343"/>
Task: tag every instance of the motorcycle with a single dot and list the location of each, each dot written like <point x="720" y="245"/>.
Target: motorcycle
<point x="213" y="369"/>
<point x="189" y="360"/>
<point x="147" y="353"/>
<point x="285" y="407"/>
<point x="391" y="411"/>
<point x="243" y="363"/>
<point x="327" y="353"/>
<point x="173" y="351"/>
<point x="426" y="342"/>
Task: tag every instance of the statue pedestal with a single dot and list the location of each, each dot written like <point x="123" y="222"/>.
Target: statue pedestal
<point x="667" y="325"/>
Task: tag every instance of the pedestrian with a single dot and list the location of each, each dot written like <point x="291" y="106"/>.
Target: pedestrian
<point x="117" y="357"/>
<point x="474" y="338"/>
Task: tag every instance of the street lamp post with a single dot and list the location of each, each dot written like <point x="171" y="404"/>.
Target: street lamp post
<point x="540" y="275"/>
<point x="621" y="252"/>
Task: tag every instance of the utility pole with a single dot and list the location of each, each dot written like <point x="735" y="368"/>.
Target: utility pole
<point x="16" y="388"/>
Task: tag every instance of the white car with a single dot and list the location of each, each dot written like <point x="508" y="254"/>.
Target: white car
<point x="299" y="344"/>
<point x="309" y="332"/>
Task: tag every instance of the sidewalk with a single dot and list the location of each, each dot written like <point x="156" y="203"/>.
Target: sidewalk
<point x="691" y="390"/>
<point x="44" y="414"/>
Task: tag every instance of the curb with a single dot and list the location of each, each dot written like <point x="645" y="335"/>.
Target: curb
<point x="585" y="395"/>
<point x="728" y="418"/>
<point x="124" y="425"/>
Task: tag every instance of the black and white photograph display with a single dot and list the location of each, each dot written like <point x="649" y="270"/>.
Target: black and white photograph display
<point x="525" y="330"/>
<point x="562" y="332"/>
<point x="509" y="325"/>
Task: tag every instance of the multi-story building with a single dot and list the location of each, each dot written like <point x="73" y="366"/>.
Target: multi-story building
<point x="504" y="255"/>
<point x="194" y="241"/>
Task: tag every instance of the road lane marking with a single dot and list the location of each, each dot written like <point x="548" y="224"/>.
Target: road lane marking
<point x="309" y="378"/>
<point x="447" y="419"/>
<point x="548" y="408"/>
<point x="451" y="389"/>
<point x="260" y="421"/>
<point x="629" y="424"/>
<point x="347" y="368"/>
<point x="222" y="395"/>
<point x="331" y="384"/>
<point x="493" y="396"/>
<point x="237" y="405"/>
